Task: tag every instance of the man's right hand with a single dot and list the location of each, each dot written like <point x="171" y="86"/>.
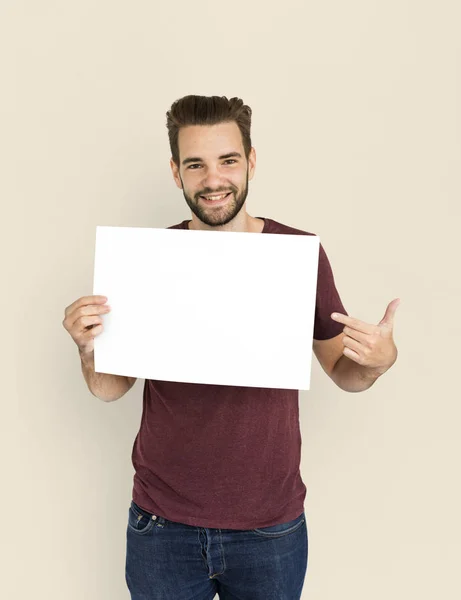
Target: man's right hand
<point x="83" y="320"/>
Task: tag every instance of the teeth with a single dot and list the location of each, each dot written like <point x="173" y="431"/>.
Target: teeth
<point x="216" y="197"/>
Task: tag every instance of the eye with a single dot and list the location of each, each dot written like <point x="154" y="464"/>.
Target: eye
<point x="231" y="160"/>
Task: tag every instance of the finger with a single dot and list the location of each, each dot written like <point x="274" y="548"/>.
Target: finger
<point x="366" y="339"/>
<point x="82" y="336"/>
<point x="85" y="300"/>
<point x="82" y="325"/>
<point x="91" y="333"/>
<point x="90" y="310"/>
<point x="354" y="323"/>
<point x="85" y="338"/>
<point x="390" y="312"/>
<point x="352" y="355"/>
<point x="354" y="345"/>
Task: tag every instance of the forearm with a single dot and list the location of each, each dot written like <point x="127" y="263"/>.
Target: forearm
<point x="352" y="377"/>
<point x="104" y="386"/>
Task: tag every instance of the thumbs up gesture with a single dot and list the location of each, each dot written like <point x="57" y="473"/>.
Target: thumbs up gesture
<point x="370" y="345"/>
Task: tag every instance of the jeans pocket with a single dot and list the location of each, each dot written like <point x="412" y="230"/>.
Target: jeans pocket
<point x="282" y="529"/>
<point x="139" y="520"/>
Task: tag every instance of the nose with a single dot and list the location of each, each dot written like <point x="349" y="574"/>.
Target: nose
<point x="212" y="180"/>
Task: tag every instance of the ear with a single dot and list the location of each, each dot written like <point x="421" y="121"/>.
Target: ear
<point x="251" y="163"/>
<point x="175" y="170"/>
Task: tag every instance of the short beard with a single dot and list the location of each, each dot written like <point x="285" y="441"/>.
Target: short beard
<point x="218" y="217"/>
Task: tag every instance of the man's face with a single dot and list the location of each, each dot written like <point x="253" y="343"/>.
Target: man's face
<point x="206" y="168"/>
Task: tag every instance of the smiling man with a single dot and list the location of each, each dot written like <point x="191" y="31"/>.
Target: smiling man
<point x="213" y="173"/>
<point x="218" y="499"/>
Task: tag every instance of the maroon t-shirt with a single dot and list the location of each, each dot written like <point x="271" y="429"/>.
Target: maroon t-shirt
<point x="222" y="456"/>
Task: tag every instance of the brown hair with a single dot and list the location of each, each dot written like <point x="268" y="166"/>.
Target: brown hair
<point x="207" y="110"/>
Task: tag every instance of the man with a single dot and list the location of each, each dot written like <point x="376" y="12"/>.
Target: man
<point x="218" y="500"/>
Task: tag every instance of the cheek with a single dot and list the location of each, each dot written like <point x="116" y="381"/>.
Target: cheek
<point x="238" y="182"/>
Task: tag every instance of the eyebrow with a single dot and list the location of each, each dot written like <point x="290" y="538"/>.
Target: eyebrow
<point x="223" y="156"/>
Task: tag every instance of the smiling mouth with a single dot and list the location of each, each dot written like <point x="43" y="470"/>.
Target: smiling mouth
<point x="221" y="199"/>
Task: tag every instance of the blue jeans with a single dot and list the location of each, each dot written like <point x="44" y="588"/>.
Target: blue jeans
<point x="166" y="560"/>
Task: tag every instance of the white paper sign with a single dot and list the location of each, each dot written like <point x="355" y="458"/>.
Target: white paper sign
<point x="212" y="307"/>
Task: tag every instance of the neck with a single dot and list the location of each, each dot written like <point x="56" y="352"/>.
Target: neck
<point x="242" y="223"/>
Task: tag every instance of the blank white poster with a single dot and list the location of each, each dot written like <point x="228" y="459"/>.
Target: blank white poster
<point x="208" y="307"/>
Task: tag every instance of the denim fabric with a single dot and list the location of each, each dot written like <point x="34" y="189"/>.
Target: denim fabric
<point x="166" y="560"/>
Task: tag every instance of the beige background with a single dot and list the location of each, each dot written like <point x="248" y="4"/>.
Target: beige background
<point x="357" y="128"/>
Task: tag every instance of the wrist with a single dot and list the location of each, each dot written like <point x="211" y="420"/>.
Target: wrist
<point x="87" y="358"/>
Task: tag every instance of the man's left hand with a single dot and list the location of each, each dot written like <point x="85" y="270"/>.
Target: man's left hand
<point x="370" y="345"/>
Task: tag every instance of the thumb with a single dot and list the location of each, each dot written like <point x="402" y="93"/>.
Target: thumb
<point x="388" y="318"/>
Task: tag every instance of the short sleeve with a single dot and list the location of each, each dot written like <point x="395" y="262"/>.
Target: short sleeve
<point x="327" y="301"/>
